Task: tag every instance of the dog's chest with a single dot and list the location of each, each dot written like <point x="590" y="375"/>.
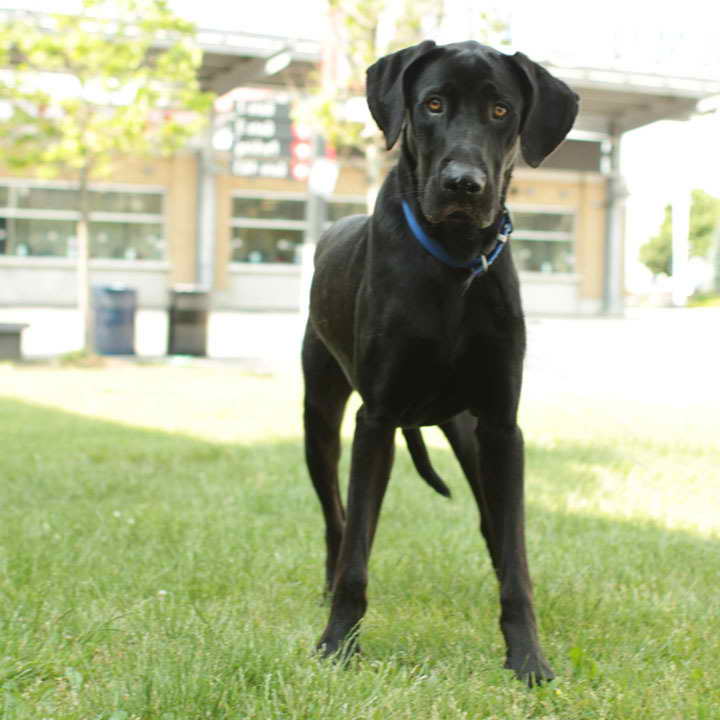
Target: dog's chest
<point x="422" y="380"/>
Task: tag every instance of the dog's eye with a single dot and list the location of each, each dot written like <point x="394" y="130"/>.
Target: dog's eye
<point x="434" y="105"/>
<point x="500" y="111"/>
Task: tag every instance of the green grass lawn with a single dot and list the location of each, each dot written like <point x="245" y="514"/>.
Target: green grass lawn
<point x="704" y="300"/>
<point x="156" y="572"/>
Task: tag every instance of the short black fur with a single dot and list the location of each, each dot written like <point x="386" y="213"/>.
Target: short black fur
<point x="406" y="332"/>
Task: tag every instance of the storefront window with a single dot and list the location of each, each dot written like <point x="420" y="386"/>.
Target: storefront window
<point x="337" y="209"/>
<point x="270" y="228"/>
<point x="37" y="221"/>
<point x="269" y="208"/>
<point x="267" y="228"/>
<point x="126" y="241"/>
<point x="41" y="238"/>
<point x="145" y="203"/>
<point x="266" y="245"/>
<point x="3" y="219"/>
<point x="543" y="221"/>
<point x="41" y="198"/>
<point x="544" y="242"/>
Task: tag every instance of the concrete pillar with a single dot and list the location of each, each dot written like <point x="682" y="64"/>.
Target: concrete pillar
<point x="207" y="213"/>
<point x="614" y="261"/>
<point x="321" y="184"/>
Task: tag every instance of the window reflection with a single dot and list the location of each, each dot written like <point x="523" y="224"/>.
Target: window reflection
<point x="271" y="228"/>
<point x="543" y="241"/>
<point x="39" y="221"/>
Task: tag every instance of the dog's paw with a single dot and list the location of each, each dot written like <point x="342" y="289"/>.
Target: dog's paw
<point x="339" y="650"/>
<point x="530" y="669"/>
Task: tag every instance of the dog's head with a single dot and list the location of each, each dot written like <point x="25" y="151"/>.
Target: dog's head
<point x="467" y="110"/>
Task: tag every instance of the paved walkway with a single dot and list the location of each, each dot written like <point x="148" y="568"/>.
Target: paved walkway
<point x="668" y="353"/>
<point x="671" y="354"/>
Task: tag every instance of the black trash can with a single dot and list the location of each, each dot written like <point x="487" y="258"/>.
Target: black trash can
<point x="187" y="322"/>
<point x="114" y="309"/>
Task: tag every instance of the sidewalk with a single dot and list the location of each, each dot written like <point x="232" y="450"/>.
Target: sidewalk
<point x="668" y="353"/>
<point x="271" y="339"/>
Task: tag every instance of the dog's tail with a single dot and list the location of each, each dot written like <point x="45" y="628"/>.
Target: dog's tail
<point x="421" y="460"/>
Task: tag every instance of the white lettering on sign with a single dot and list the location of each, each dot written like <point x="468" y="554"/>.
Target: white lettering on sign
<point x="260" y="128"/>
<point x="262" y="136"/>
<point x="260" y="109"/>
<point x="255" y="128"/>
<point x="245" y="168"/>
<point x="261" y="168"/>
<point x="257" y="148"/>
<point x="277" y="169"/>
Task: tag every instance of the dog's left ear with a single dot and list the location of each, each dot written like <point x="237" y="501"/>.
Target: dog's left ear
<point x="550" y="113"/>
<point x="385" y="88"/>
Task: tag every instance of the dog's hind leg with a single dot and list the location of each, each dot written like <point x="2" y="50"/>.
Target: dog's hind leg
<point x="326" y="394"/>
<point x="460" y="433"/>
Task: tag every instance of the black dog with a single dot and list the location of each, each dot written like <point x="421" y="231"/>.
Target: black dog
<point x="417" y="308"/>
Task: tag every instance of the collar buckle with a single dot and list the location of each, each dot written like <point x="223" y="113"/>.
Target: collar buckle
<point x="477" y="266"/>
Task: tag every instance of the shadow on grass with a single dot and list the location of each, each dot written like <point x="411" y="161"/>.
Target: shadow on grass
<point x="55" y="456"/>
<point x="102" y="523"/>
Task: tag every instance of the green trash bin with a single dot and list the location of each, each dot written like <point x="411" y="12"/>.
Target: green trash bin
<point x="187" y="322"/>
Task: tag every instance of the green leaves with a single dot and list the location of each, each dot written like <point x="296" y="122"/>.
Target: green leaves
<point x="656" y="254"/>
<point x="704" y="222"/>
<point x="118" y="79"/>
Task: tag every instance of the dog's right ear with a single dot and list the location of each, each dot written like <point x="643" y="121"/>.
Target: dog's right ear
<point x="385" y="88"/>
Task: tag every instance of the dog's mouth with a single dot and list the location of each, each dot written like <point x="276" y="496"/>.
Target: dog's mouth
<point x="461" y="215"/>
<point x="439" y="206"/>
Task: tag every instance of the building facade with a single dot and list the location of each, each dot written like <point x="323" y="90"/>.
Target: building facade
<point x="144" y="234"/>
<point x="242" y="231"/>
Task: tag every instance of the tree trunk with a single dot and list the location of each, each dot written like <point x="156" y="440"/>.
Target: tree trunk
<point x="83" y="263"/>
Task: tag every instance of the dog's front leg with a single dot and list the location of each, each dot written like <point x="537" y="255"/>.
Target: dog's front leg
<point x="503" y="525"/>
<point x="372" y="458"/>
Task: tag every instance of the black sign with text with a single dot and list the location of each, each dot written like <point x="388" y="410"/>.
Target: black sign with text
<point x="263" y="138"/>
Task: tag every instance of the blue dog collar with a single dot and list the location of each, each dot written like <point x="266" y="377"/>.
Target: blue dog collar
<point x="477" y="266"/>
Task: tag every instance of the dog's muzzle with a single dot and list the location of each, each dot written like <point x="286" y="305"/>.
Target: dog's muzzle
<point x="460" y="192"/>
<point x="462" y="181"/>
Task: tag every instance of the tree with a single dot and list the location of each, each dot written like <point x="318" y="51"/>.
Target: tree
<point x="362" y="32"/>
<point x="704" y="222"/>
<point x="656" y="254"/>
<point x="83" y="91"/>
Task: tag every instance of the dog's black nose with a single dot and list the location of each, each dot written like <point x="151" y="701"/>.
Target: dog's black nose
<point x="463" y="179"/>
